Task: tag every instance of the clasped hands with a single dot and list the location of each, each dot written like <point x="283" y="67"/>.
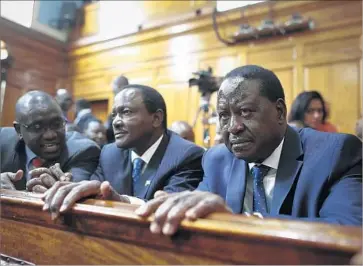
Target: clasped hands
<point x="41" y="179"/>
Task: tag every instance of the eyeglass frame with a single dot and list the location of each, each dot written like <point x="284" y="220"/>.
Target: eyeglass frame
<point x="44" y="129"/>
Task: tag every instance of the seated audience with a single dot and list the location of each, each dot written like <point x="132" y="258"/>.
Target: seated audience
<point x="309" y="108"/>
<point x="266" y="168"/>
<point x="39" y="140"/>
<point x="96" y="131"/>
<point x="359" y="128"/>
<point x="117" y="85"/>
<point x="183" y="129"/>
<point x="145" y="157"/>
<point x="83" y="114"/>
<point x="64" y="99"/>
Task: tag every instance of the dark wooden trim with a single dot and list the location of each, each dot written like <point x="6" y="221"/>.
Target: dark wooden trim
<point x="220" y="237"/>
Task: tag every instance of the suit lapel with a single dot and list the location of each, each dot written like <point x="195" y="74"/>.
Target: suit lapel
<point x="288" y="169"/>
<point x="121" y="177"/>
<point x="152" y="171"/>
<point x="19" y="160"/>
<point x="236" y="185"/>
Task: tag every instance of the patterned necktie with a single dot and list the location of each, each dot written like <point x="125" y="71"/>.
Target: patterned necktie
<point x="259" y="197"/>
<point x="138" y="164"/>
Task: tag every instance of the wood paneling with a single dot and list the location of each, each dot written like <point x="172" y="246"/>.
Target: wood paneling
<point x="104" y="232"/>
<point x="326" y="59"/>
<point x="39" y="63"/>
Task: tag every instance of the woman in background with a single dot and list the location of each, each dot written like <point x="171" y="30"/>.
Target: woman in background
<point x="310" y="109"/>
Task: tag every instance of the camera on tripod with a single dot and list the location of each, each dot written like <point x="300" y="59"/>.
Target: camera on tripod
<point x="206" y="82"/>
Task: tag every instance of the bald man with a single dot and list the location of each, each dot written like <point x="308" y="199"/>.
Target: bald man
<point x="38" y="139"/>
<point x="117" y="85"/>
<point x="183" y="129"/>
<point x="64" y="99"/>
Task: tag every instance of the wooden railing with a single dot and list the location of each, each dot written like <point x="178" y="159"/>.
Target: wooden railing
<point x="103" y="232"/>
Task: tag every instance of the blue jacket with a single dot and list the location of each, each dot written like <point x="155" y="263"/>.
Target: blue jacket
<point x="319" y="177"/>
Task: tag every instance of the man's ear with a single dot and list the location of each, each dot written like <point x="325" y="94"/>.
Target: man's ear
<point x="17" y="128"/>
<point x="281" y="110"/>
<point x="158" y="118"/>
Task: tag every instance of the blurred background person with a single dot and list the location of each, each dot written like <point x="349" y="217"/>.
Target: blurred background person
<point x="183" y="129"/>
<point x="64" y="99"/>
<point x="96" y="131"/>
<point x="309" y="109"/>
<point x="117" y="85"/>
<point x="83" y="114"/>
<point x="72" y="127"/>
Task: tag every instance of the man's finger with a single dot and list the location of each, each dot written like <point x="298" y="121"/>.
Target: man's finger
<point x="15" y="176"/>
<point x="205" y="207"/>
<point x="76" y="193"/>
<point x="5" y="182"/>
<point x="177" y="213"/>
<point x="160" y="193"/>
<point x="58" y="198"/>
<point x="162" y="212"/>
<point x="107" y="192"/>
<point x="67" y="177"/>
<point x="150" y="207"/>
<point x="39" y="189"/>
<point x="39" y="171"/>
<point x="47" y="180"/>
<point x="33" y="182"/>
<point x="48" y="196"/>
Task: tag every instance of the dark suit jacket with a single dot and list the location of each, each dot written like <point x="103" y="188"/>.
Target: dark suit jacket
<point x="175" y="166"/>
<point x="319" y="177"/>
<point x="85" y="119"/>
<point x="80" y="156"/>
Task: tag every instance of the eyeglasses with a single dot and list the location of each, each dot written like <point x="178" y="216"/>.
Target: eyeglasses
<point x="41" y="127"/>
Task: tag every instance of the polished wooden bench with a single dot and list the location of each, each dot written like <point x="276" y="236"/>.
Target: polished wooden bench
<point x="103" y="232"/>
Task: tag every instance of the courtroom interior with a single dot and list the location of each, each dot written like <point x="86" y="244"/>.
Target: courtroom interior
<point x="181" y="132"/>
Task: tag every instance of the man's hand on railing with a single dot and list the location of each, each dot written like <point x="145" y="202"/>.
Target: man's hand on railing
<point x="63" y="195"/>
<point x="171" y="209"/>
<point x="8" y="178"/>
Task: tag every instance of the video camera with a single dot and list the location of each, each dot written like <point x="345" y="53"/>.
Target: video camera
<point x="205" y="81"/>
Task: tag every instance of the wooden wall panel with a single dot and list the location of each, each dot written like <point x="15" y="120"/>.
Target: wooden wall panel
<point x="39" y="63"/>
<point x="326" y="59"/>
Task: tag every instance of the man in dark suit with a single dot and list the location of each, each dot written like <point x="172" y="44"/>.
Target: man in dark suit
<point x="65" y="101"/>
<point x="266" y="168"/>
<point x="83" y="114"/>
<point x="39" y="139"/>
<point x="145" y="158"/>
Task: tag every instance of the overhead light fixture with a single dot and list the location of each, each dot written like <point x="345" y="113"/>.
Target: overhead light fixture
<point x="223" y="5"/>
<point x="246" y="32"/>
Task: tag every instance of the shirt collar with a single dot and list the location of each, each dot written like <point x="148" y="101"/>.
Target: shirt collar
<point x="148" y="154"/>
<point x="273" y="160"/>
<point x="30" y="155"/>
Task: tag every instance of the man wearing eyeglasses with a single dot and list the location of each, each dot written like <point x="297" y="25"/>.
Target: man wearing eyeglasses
<point x="38" y="139"/>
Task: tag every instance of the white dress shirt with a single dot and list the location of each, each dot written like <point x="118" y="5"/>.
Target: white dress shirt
<point x="268" y="182"/>
<point x="148" y="154"/>
<point x="146" y="157"/>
